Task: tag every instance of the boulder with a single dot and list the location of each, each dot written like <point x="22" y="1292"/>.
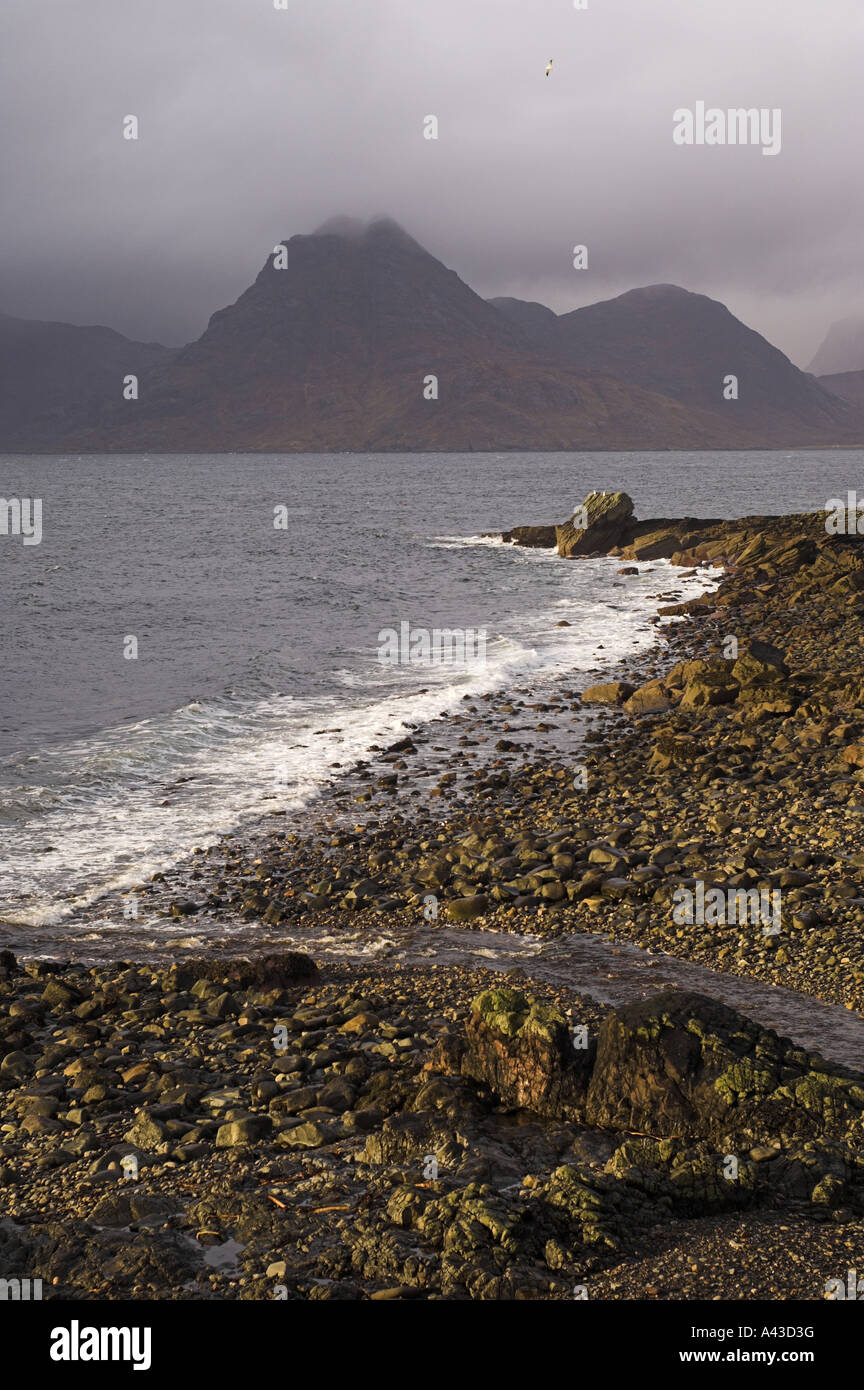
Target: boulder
<point x="683" y="1064"/>
<point x="147" y="1132"/>
<point x="760" y="663"/>
<point x="608" y="519"/>
<point x="676" y="1065"/>
<point x="614" y="693"/>
<point x="523" y="1052"/>
<point x="466" y="909"/>
<point x="708" y="683"/>
<point x="854" y="754"/>
<point x="651" y="698"/>
<point x="238" y="1133"/>
<point x="761" y="673"/>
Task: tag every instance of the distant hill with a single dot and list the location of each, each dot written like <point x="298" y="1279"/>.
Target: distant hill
<point x="683" y="345"/>
<point x="842" y="350"/>
<point x="848" y="385"/>
<point x="332" y="352"/>
<point x="335" y="352"/>
<point x="56" y="377"/>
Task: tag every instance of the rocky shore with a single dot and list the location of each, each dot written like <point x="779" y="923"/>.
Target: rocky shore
<point x="377" y="1130"/>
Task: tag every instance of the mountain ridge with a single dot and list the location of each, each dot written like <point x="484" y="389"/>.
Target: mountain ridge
<point x="354" y="337"/>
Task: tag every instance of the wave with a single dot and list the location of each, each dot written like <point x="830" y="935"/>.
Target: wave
<point x="101" y="814"/>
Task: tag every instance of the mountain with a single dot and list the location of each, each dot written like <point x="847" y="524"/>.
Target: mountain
<point x="848" y="385"/>
<point x="535" y="320"/>
<point x="56" y="377"/>
<point x="332" y="352"/>
<point x="842" y="350"/>
<point x="335" y="351"/>
<point x="683" y="345"/>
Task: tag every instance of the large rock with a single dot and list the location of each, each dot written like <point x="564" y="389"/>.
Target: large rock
<point x="466" y="909"/>
<point x="237" y="1133"/>
<point x="534" y="537"/>
<point x="708" y="683"/>
<point x="854" y="754"/>
<point x="761" y="663"/>
<point x="523" y="1052"/>
<point x="685" y="1065"/>
<point x="613" y="693"/>
<point x="608" y="520"/>
<point x="673" y="1066"/>
<point x="761" y="673"/>
<point x="651" y="698"/>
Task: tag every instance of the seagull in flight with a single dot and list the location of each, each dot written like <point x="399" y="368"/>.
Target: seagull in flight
<point x="549" y="67"/>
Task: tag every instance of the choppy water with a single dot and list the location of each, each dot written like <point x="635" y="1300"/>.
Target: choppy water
<point x="257" y="677"/>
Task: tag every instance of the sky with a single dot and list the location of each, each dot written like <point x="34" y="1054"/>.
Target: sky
<point x="256" y="124"/>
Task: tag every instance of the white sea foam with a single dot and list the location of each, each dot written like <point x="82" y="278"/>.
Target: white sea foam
<point x="101" y="814"/>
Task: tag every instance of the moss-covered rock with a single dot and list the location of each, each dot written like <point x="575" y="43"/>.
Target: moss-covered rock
<point x="686" y="1065"/>
<point x="524" y="1053"/>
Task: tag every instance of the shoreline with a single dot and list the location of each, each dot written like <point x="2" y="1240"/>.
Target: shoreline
<point x="374" y="780"/>
<point x="503" y="449"/>
<point x="608" y="734"/>
<point x="302" y="1173"/>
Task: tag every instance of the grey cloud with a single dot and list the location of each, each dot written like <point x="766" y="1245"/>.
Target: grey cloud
<point x="257" y="124"/>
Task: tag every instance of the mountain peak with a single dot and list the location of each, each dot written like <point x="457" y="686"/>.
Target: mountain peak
<point x="349" y="228"/>
<point x="379" y="229"/>
<point x="654" y="292"/>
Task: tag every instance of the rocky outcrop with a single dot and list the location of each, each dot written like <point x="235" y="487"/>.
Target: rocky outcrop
<point x="757" y="682"/>
<point x="523" y="1052"/>
<point x="657" y="545"/>
<point x="613" y="693"/>
<point x="684" y="1065"/>
<point x="675" y="1065"/>
<point x="532" y="537"/>
<point x="604" y="520"/>
<point x="606" y="524"/>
